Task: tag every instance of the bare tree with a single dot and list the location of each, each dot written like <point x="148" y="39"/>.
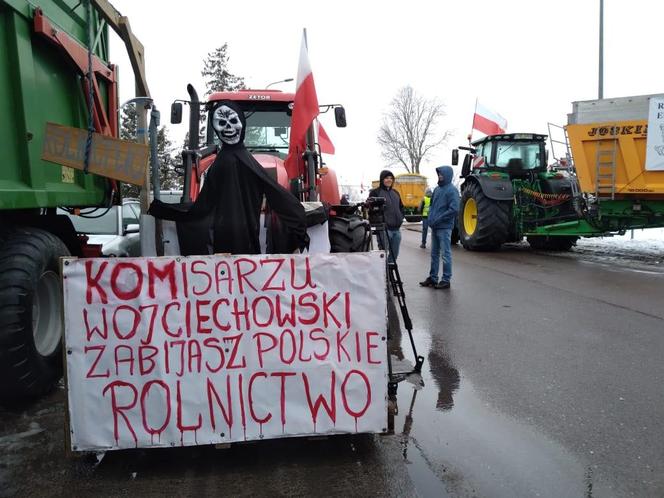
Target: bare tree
<point x="408" y="131"/>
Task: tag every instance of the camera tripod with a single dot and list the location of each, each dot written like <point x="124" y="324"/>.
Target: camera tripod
<point x="379" y="229"/>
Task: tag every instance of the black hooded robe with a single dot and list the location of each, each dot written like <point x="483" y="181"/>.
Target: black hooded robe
<point x="233" y="193"/>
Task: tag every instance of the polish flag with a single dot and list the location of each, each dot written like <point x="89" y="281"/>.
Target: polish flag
<point x="326" y="145"/>
<point x="305" y="110"/>
<point x="487" y="121"/>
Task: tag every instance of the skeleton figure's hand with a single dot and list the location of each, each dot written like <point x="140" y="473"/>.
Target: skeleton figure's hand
<point x="156" y="209"/>
<point x="304" y="243"/>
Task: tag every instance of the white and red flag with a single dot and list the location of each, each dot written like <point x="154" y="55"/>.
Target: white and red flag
<point x="305" y="109"/>
<point x="326" y="145"/>
<point x="487" y="121"/>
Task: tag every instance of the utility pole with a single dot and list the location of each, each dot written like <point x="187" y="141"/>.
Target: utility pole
<point x="601" y="50"/>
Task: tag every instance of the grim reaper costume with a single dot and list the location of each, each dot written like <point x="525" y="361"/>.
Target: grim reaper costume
<point x="233" y="195"/>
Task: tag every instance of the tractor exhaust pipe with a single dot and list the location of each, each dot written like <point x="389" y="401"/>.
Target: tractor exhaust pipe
<point x="194" y="117"/>
<point x="188" y="159"/>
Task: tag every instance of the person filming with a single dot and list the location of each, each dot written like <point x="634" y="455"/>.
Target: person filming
<point x="393" y="212"/>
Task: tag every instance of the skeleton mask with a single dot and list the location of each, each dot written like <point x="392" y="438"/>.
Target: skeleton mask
<point x="227" y="124"/>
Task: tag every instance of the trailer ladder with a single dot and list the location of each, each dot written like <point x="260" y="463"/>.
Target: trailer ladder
<point x="605" y="167"/>
<point x="568" y="155"/>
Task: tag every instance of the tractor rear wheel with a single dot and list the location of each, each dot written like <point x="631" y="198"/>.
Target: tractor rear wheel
<point x="551" y="243"/>
<point x="349" y="234"/>
<point x="30" y="313"/>
<point x="483" y="223"/>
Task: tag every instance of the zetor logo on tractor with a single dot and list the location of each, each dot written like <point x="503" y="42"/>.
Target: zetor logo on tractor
<point x="259" y="97"/>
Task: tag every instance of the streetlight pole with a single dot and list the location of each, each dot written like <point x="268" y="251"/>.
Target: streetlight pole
<point x="601" y="50"/>
<point x="277" y="82"/>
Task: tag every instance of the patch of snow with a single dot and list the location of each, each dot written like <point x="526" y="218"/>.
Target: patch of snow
<point x="649" y="239"/>
<point x="640" y="241"/>
<point x="14" y="438"/>
<point x="641" y="248"/>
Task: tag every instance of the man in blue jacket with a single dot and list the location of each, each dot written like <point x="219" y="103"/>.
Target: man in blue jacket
<point x="442" y="213"/>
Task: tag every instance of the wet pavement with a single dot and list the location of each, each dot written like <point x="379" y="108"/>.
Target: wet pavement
<point x="542" y="377"/>
<point x="33" y="463"/>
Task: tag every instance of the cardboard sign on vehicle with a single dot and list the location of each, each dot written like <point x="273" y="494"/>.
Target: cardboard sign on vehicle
<point x="110" y="157"/>
<point x="655" y="143"/>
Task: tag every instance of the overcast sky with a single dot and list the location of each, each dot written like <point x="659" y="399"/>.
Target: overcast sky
<point x="526" y="59"/>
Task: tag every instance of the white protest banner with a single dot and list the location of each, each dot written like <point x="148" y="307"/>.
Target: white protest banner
<point x="655" y="142"/>
<point x="214" y="349"/>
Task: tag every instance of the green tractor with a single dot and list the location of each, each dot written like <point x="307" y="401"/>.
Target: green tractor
<point x="508" y="192"/>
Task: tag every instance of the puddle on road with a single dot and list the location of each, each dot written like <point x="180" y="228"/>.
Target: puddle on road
<point x="455" y="444"/>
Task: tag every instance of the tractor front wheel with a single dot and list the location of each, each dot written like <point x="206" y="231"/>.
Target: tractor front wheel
<point x="349" y="234"/>
<point x="483" y="223"/>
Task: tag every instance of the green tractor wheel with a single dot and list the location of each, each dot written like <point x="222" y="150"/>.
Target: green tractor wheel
<point x="484" y="223"/>
<point x="547" y="243"/>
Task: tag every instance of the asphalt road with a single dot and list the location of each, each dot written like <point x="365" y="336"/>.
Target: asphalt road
<point x="542" y="377"/>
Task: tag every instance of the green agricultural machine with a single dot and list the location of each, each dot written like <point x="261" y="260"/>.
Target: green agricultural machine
<point x="610" y="178"/>
<point x="47" y="49"/>
<point x="508" y="193"/>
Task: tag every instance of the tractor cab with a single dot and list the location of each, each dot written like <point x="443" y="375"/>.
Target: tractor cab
<point x="516" y="154"/>
<point x="268" y="114"/>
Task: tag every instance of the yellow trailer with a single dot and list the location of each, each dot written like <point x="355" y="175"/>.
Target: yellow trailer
<point x="411" y="187"/>
<point x="608" y="140"/>
<point x="616" y="147"/>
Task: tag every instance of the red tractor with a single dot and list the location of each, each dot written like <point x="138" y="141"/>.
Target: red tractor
<point x="267" y="136"/>
<point x="268" y="114"/>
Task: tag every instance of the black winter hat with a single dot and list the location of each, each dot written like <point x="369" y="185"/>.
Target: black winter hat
<point x="384" y="174"/>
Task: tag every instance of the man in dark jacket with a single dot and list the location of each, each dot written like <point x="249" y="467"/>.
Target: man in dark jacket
<point x="442" y="213"/>
<point x="393" y="212"/>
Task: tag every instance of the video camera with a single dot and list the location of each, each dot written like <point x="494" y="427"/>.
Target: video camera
<point x="374" y="209"/>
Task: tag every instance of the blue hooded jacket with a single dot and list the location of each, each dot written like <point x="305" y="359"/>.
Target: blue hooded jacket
<point x="445" y="201"/>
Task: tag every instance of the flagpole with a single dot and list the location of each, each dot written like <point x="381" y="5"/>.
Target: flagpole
<point x="472" y="127"/>
<point x="312" y="159"/>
